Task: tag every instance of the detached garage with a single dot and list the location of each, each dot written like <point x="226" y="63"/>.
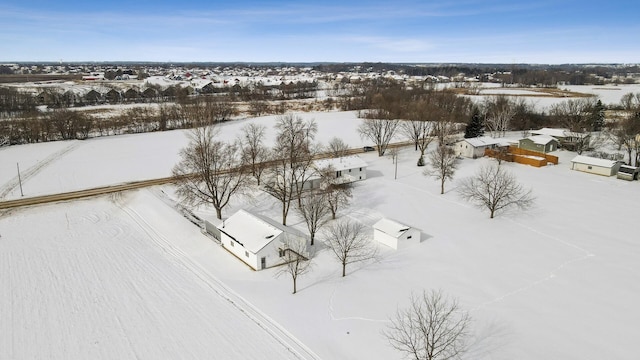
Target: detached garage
<point x="595" y="166"/>
<point x="394" y="234"/>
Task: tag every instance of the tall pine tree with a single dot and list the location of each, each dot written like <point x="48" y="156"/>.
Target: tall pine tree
<point x="475" y="127"/>
<point x="597" y="116"/>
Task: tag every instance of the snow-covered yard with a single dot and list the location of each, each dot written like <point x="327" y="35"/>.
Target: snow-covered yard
<point x="127" y="276"/>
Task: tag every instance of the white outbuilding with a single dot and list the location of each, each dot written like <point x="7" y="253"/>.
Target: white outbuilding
<point x="595" y="166"/>
<point x="257" y="240"/>
<point x="395" y="234"/>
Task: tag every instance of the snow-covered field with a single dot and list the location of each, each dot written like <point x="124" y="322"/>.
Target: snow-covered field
<point x="608" y="94"/>
<point x="127" y="276"/>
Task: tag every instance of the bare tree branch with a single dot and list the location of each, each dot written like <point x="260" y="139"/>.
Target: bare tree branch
<point x="209" y="171"/>
<point x="433" y="327"/>
<point x="297" y="260"/>
<point x="349" y="243"/>
<point x="495" y="188"/>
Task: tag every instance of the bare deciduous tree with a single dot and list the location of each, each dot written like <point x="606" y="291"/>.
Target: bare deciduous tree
<point x="349" y="243"/>
<point x="314" y="209"/>
<point x="576" y="116"/>
<point x="421" y="133"/>
<point x="254" y="152"/>
<point x="379" y="131"/>
<point x="495" y="188"/>
<point x="337" y="148"/>
<point x="443" y="164"/>
<point x="336" y="193"/>
<point x="208" y="171"/>
<point x="433" y="327"/>
<point x="297" y="260"/>
<point x="293" y="153"/>
<point x="499" y="111"/>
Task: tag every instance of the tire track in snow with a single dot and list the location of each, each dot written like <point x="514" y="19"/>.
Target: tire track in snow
<point x="281" y="335"/>
<point x="552" y="274"/>
<point x="12" y="184"/>
<point x="330" y="310"/>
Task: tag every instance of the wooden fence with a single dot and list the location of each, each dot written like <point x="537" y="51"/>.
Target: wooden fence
<point x="522" y="156"/>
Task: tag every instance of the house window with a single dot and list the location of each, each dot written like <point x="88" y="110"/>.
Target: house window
<point x="409" y="237"/>
<point x="589" y="167"/>
<point x="338" y="173"/>
<point x="360" y="169"/>
<point x="349" y="170"/>
<point x="246" y="253"/>
<point x="231" y="242"/>
<point x="281" y="252"/>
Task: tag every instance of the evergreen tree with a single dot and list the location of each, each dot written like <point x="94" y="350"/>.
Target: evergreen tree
<point x="597" y="116"/>
<point x="475" y="127"/>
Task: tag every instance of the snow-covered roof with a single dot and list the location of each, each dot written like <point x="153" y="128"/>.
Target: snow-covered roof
<point x="542" y="139"/>
<point x="341" y="163"/>
<point x="587" y="160"/>
<point x="482" y="141"/>
<point x="391" y="227"/>
<point x="253" y="231"/>
<point x="556" y="133"/>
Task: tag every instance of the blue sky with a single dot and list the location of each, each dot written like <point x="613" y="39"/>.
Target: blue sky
<point x="471" y="31"/>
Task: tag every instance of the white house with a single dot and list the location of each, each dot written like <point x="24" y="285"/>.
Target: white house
<point x="394" y="234"/>
<point x="346" y="169"/>
<point x="475" y="147"/>
<point x="257" y="240"/>
<point x="595" y="166"/>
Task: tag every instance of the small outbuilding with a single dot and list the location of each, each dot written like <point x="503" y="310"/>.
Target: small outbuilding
<point x="395" y="234"/>
<point x="258" y="241"/>
<point x="626" y="172"/>
<point x="595" y="166"/>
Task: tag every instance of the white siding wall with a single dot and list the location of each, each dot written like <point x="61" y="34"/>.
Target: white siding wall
<point x="594" y="169"/>
<point x="410" y="237"/>
<point x="464" y="149"/>
<point x="386" y="239"/>
<point x="271" y="253"/>
<point x="359" y="173"/>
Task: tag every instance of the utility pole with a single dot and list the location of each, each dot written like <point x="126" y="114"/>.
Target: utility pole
<point x="19" y="179"/>
<point x="395" y="155"/>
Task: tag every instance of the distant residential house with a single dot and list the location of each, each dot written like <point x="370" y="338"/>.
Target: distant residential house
<point x="395" y="234"/>
<point x="93" y="77"/>
<point x="566" y="138"/>
<point x="539" y="143"/>
<point x="150" y="93"/>
<point x="92" y="97"/>
<point x="346" y="169"/>
<point x="258" y="241"/>
<point x="131" y="94"/>
<point x="595" y="166"/>
<point x="474" y="147"/>
<point x="113" y="96"/>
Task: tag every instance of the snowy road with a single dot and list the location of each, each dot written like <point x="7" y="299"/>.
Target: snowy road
<point x="97" y="280"/>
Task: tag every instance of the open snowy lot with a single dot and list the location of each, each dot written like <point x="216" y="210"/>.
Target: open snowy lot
<point x="127" y="276"/>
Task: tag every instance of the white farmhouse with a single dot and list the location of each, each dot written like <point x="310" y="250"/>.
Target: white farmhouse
<point x="595" y="166"/>
<point x="345" y="169"/>
<point x="394" y="234"/>
<point x="475" y="147"/>
<point x="257" y="240"/>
